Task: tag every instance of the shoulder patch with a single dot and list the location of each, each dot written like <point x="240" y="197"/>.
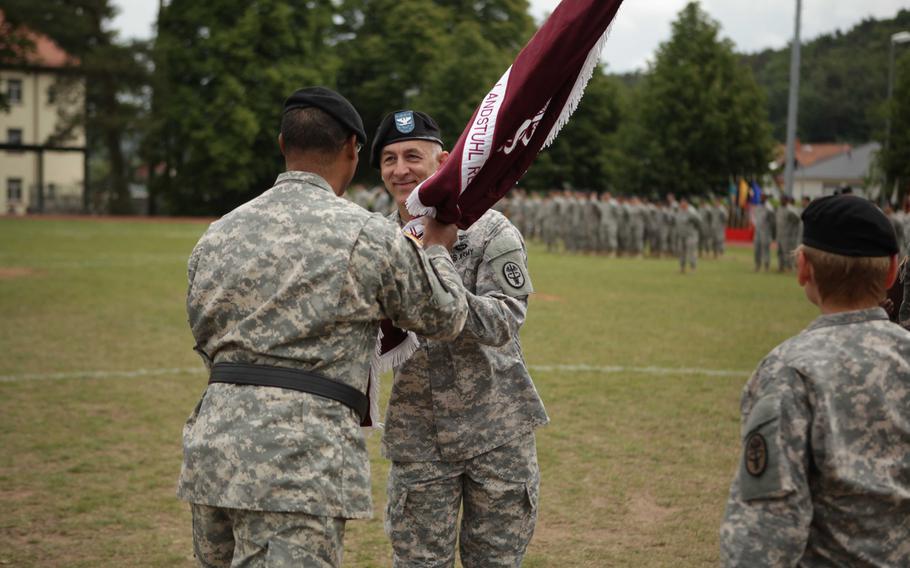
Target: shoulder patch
<point x="762" y="453"/>
<point x="513" y="274"/>
<point x="756" y="458"/>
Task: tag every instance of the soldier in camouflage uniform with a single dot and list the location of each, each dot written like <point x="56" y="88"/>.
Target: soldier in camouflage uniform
<point x="687" y="224"/>
<point x="461" y="418"/>
<point x="824" y="478"/>
<point x="763" y="221"/>
<point x="299" y="278"/>
<point x="788" y="223"/>
<point x="719" y="226"/>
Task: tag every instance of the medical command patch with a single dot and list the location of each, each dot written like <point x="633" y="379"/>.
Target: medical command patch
<point x="756" y="458"/>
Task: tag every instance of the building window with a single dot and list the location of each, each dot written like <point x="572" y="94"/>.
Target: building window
<point x="14" y="91"/>
<point x="14" y="136"/>
<point x="52" y="191"/>
<point x="13" y="189"/>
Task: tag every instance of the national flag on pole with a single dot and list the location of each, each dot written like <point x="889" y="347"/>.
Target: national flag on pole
<point x="520" y="115"/>
<point x="756" y="193"/>
<point x="743" y="193"/>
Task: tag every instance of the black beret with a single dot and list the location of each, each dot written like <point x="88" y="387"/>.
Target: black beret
<point x="849" y="226"/>
<point x="332" y="104"/>
<point x="403" y="125"/>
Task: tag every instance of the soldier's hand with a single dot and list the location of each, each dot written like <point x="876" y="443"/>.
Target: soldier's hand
<point x="436" y="233"/>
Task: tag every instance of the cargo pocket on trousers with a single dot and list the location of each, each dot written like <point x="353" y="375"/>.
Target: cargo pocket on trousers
<point x="394" y="510"/>
<point x="532" y="495"/>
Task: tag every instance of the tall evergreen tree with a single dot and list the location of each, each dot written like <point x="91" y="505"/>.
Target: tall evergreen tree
<point x="439" y="56"/>
<point x="703" y="117"/>
<point x="586" y="155"/>
<point x="895" y="158"/>
<point x="227" y="65"/>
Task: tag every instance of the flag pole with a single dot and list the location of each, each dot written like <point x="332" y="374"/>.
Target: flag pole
<point x="792" y="105"/>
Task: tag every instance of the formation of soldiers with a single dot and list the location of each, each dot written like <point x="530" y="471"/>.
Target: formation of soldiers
<point x="582" y="222"/>
<point x="617" y="226"/>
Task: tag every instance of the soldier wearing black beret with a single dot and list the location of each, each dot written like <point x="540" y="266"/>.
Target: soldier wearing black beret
<point x="286" y="294"/>
<point x="824" y="474"/>
<point x="460" y="423"/>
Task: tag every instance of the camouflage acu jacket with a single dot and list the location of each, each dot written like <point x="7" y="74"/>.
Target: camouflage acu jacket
<point x="300" y="278"/>
<point x="824" y="479"/>
<point x="455" y="400"/>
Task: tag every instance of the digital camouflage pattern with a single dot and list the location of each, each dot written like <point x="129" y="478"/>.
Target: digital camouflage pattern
<point x="787" y="223"/>
<point x="455" y="400"/>
<point x="825" y="475"/>
<point x="300" y="278"/>
<point x="460" y="421"/>
<point x="500" y="493"/>
<point x="226" y="537"/>
<point x="763" y="221"/>
<point x="687" y="227"/>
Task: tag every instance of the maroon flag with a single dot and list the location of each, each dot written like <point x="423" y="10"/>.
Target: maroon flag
<point x="522" y="113"/>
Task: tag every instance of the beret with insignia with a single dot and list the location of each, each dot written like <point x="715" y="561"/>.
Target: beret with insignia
<point x="332" y="104"/>
<point x="849" y="226"/>
<point x="403" y="125"/>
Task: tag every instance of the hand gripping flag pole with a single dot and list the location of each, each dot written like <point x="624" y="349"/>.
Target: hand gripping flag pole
<point x="522" y="114"/>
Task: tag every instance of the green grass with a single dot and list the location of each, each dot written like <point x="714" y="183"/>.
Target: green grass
<point x="635" y="465"/>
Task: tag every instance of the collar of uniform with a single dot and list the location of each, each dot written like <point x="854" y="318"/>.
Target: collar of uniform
<point x="305" y="177"/>
<point x="395" y="217"/>
<point x="846" y="318"/>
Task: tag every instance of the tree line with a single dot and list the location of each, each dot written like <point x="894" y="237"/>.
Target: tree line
<point x="197" y="107"/>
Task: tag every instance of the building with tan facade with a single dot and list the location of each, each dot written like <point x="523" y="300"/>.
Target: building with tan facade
<point x="42" y="140"/>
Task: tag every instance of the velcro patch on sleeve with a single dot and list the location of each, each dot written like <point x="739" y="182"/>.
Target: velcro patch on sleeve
<point x="760" y="466"/>
<point x="508" y="263"/>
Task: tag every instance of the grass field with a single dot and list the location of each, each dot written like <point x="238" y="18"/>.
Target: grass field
<point x="97" y="377"/>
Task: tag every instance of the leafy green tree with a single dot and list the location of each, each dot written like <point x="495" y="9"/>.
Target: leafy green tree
<point x="586" y="155"/>
<point x="225" y="67"/>
<point x="702" y="115"/>
<point x="843" y="83"/>
<point x="895" y="158"/>
<point x="439" y="56"/>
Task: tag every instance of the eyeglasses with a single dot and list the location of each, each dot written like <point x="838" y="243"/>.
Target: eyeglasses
<point x="359" y="147"/>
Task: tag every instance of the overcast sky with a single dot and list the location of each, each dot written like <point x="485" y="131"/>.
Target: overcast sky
<point x="642" y="24"/>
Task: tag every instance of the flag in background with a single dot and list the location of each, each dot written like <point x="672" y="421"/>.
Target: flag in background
<point x="743" y="193"/>
<point x="756" y="193"/>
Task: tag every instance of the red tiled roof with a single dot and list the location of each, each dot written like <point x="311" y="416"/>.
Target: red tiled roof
<point x="46" y="52"/>
<point x="808" y="154"/>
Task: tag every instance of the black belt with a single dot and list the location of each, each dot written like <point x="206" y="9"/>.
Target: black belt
<point x="294" y="379"/>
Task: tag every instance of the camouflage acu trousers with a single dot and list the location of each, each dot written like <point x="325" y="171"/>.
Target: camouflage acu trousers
<point x="497" y="492"/>
<point x="224" y="538"/>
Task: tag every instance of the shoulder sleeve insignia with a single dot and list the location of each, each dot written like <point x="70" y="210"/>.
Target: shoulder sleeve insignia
<point x="756" y="455"/>
<point x="513" y="275"/>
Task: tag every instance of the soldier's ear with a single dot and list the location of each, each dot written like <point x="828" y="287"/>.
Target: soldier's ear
<point x="281" y="144"/>
<point x="804" y="272"/>
<point x="892" y="272"/>
<point x="441" y="159"/>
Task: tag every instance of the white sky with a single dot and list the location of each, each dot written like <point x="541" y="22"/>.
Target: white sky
<point x="642" y="24"/>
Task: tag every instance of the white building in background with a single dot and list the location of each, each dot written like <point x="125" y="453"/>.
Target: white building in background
<point x="850" y="168"/>
<point x="40" y="170"/>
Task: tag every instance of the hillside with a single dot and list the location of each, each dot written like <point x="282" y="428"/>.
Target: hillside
<point x="843" y="87"/>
